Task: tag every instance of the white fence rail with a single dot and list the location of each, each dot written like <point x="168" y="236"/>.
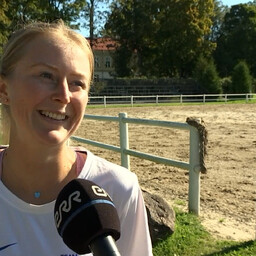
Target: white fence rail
<point x="157" y="99"/>
<point x="194" y="159"/>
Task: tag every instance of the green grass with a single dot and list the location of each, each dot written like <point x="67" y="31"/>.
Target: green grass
<point x="191" y="239"/>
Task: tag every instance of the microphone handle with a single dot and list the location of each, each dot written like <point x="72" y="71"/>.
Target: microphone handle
<point x="104" y="246"/>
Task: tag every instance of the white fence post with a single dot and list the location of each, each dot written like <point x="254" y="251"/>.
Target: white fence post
<point x="132" y="100"/>
<point x="124" y="140"/>
<point x="105" y="101"/>
<point x="194" y="172"/>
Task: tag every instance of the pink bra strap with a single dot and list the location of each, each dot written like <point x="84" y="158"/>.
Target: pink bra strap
<point x="80" y="160"/>
<point x="1" y="161"/>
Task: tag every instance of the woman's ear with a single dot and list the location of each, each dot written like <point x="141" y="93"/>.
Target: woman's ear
<point x="4" y="99"/>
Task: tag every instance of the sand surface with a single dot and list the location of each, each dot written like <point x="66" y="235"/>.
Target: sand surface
<point x="228" y="189"/>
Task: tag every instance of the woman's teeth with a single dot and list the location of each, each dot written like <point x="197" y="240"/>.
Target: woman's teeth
<point x="53" y="115"/>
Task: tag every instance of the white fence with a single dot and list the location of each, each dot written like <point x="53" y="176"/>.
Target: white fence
<point x="194" y="159"/>
<point x="157" y="99"/>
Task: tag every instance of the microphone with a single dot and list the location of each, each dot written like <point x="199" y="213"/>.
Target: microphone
<point x="86" y="219"/>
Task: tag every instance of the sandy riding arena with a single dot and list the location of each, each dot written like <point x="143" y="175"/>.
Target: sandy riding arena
<point x="227" y="189"/>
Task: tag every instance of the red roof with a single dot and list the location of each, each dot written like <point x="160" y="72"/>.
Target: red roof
<point x="103" y="44"/>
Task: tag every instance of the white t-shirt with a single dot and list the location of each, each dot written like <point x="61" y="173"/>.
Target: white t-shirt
<point x="29" y="230"/>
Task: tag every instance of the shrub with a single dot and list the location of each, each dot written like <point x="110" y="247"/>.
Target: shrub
<point x="241" y="78"/>
<point x="207" y="76"/>
<point x="226" y="84"/>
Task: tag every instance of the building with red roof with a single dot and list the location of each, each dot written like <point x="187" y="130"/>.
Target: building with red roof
<point x="103" y="49"/>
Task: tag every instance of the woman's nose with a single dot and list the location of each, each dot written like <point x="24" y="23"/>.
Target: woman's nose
<point x="62" y="93"/>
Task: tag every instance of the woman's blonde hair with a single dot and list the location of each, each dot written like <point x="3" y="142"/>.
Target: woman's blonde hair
<point x="13" y="52"/>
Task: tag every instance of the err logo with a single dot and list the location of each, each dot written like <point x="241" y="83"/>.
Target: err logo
<point x="65" y="206"/>
<point x="99" y="191"/>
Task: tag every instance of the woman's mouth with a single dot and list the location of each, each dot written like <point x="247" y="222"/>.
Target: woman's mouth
<point x="52" y="115"/>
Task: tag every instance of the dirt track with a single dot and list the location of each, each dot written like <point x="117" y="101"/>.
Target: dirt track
<point x="227" y="190"/>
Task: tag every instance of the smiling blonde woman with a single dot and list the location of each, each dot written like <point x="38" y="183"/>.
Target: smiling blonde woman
<point x="46" y="71"/>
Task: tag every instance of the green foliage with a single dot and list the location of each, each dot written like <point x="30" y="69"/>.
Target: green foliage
<point x="241" y="78"/>
<point x="253" y="84"/>
<point x="220" y="11"/>
<point x="226" y="84"/>
<point x="187" y="39"/>
<point x="132" y="24"/>
<point x="189" y="234"/>
<point x="14" y="13"/>
<point x="22" y="11"/>
<point x="191" y="239"/>
<point x="237" y="40"/>
<point x="121" y="60"/>
<point x="164" y="37"/>
<point x="4" y="23"/>
<point x="94" y="16"/>
<point x="207" y="76"/>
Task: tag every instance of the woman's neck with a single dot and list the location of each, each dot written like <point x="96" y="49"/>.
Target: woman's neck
<point x="37" y="176"/>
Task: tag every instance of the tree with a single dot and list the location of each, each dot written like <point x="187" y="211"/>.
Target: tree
<point x="184" y="28"/>
<point x="67" y="10"/>
<point x="94" y="14"/>
<point x="22" y="11"/>
<point x="14" y="13"/>
<point x="4" y="23"/>
<point x="241" y="78"/>
<point x="164" y="37"/>
<point x="220" y="11"/>
<point x="123" y="57"/>
<point x="131" y="23"/>
<point x="237" y="40"/>
<point x="206" y="75"/>
<point x="226" y="85"/>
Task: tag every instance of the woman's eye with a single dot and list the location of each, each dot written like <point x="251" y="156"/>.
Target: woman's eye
<point x="46" y="75"/>
<point x="78" y="83"/>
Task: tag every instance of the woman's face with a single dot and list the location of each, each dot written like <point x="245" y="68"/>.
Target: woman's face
<point x="48" y="90"/>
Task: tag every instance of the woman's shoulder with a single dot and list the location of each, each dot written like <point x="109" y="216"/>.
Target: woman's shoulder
<point x="120" y="183"/>
<point x="100" y="169"/>
<point x="113" y="168"/>
<point x="100" y="166"/>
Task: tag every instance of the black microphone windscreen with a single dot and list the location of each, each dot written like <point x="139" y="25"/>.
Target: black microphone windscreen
<point x="83" y="211"/>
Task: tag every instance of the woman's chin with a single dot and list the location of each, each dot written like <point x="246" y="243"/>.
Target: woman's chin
<point x="54" y="138"/>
